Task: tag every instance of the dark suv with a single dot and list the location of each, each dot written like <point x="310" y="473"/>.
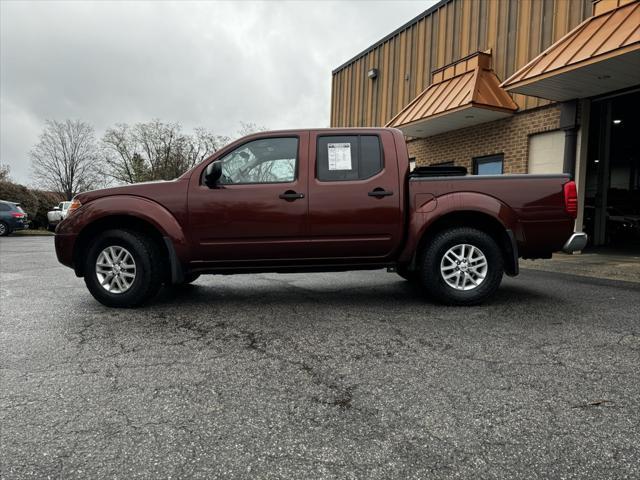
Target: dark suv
<point x="12" y="217"/>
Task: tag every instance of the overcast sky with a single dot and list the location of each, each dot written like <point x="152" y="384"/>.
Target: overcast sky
<point x="210" y="64"/>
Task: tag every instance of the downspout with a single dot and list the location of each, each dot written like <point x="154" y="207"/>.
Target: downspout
<point x="568" y="122"/>
<point x="570" y="143"/>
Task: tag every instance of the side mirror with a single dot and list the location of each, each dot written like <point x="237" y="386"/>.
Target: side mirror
<point x="212" y="174"/>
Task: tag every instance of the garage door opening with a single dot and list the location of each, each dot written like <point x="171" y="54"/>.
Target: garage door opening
<point x="612" y="188"/>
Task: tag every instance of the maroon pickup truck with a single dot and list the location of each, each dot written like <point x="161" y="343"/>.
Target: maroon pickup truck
<point x="317" y="200"/>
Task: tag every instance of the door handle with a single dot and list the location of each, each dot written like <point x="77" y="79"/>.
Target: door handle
<point x="290" y="195"/>
<point x="380" y="192"/>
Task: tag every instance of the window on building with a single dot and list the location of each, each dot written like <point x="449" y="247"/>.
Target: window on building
<point x="348" y="157"/>
<point x="267" y="160"/>
<point x="412" y="163"/>
<point x="489" y="165"/>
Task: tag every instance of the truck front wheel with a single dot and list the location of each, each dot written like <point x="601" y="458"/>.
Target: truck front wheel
<point x="462" y="266"/>
<point x="123" y="268"/>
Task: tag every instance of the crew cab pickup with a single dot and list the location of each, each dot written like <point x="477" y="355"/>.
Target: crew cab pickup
<point x="317" y="200"/>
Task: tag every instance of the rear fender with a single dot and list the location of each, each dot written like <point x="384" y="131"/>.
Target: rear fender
<point x="424" y="216"/>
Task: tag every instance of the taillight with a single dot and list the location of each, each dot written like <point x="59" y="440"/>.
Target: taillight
<point x="75" y="204"/>
<point x="17" y="215"/>
<point x="571" y="199"/>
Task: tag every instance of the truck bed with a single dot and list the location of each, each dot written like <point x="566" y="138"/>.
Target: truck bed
<point x="531" y="206"/>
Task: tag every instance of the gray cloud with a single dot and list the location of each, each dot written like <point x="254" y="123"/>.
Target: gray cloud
<point x="210" y="64"/>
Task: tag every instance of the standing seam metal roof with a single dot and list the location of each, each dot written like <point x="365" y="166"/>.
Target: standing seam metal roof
<point x="476" y="86"/>
<point x="595" y="37"/>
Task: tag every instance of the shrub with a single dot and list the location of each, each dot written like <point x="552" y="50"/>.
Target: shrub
<point x="35" y="202"/>
<point x="13" y="192"/>
<point x="46" y="201"/>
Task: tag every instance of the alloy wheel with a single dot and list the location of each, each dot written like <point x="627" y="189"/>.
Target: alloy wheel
<point x="115" y="269"/>
<point x="464" y="267"/>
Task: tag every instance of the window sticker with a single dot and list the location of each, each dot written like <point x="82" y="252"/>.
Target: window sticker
<point x="339" y="156"/>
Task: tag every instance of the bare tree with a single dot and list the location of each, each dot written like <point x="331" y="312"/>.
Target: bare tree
<point x="5" y="172"/>
<point x="155" y="150"/>
<point x="65" y="159"/>
<point x="247" y="128"/>
<point x="204" y="143"/>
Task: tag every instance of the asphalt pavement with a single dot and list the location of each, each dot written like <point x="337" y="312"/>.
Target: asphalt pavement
<point x="337" y="375"/>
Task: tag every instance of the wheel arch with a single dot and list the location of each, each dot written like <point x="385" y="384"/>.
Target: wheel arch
<point x="112" y="222"/>
<point x="480" y="220"/>
<point x="126" y="212"/>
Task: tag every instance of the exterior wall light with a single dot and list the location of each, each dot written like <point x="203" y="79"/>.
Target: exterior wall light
<point x="617" y="121"/>
<point x="373" y="73"/>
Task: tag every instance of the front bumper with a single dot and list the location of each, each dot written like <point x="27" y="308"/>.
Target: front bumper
<point x="576" y="242"/>
<point x="64" y="244"/>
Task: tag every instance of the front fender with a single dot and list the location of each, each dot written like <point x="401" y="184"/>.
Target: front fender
<point x="131" y="206"/>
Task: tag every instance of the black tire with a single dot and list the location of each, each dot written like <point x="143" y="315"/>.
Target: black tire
<point x="409" y="275"/>
<point x="434" y="281"/>
<point x="4" y="229"/>
<point x="149" y="275"/>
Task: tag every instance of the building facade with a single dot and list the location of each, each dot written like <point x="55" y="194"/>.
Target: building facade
<point x="514" y="86"/>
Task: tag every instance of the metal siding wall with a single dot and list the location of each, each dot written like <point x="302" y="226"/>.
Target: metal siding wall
<point x="465" y="29"/>
<point x="514" y="30"/>
<point x="400" y="73"/>
<point x="533" y="41"/>
<point x="481" y="12"/>
<point x="394" y="64"/>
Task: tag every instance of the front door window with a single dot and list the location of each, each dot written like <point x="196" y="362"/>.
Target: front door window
<point x="268" y="160"/>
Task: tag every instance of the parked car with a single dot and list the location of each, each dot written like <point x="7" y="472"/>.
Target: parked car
<point x="57" y="214"/>
<point x="622" y="223"/>
<point x="317" y="200"/>
<point x="12" y="217"/>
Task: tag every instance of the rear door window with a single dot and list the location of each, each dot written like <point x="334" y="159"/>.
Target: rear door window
<point x="348" y="157"/>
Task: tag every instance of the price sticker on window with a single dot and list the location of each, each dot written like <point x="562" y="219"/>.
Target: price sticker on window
<point x="339" y="156"/>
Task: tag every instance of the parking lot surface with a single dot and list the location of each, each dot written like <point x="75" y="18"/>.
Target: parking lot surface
<point x="341" y="375"/>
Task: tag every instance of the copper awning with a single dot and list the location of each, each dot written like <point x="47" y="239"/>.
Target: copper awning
<point x="462" y="94"/>
<point x="600" y="55"/>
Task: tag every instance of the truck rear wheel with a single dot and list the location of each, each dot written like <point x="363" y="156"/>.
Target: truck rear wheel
<point x="123" y="268"/>
<point x="462" y="266"/>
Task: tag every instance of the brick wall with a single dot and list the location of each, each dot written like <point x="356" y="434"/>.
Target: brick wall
<point x="509" y="136"/>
